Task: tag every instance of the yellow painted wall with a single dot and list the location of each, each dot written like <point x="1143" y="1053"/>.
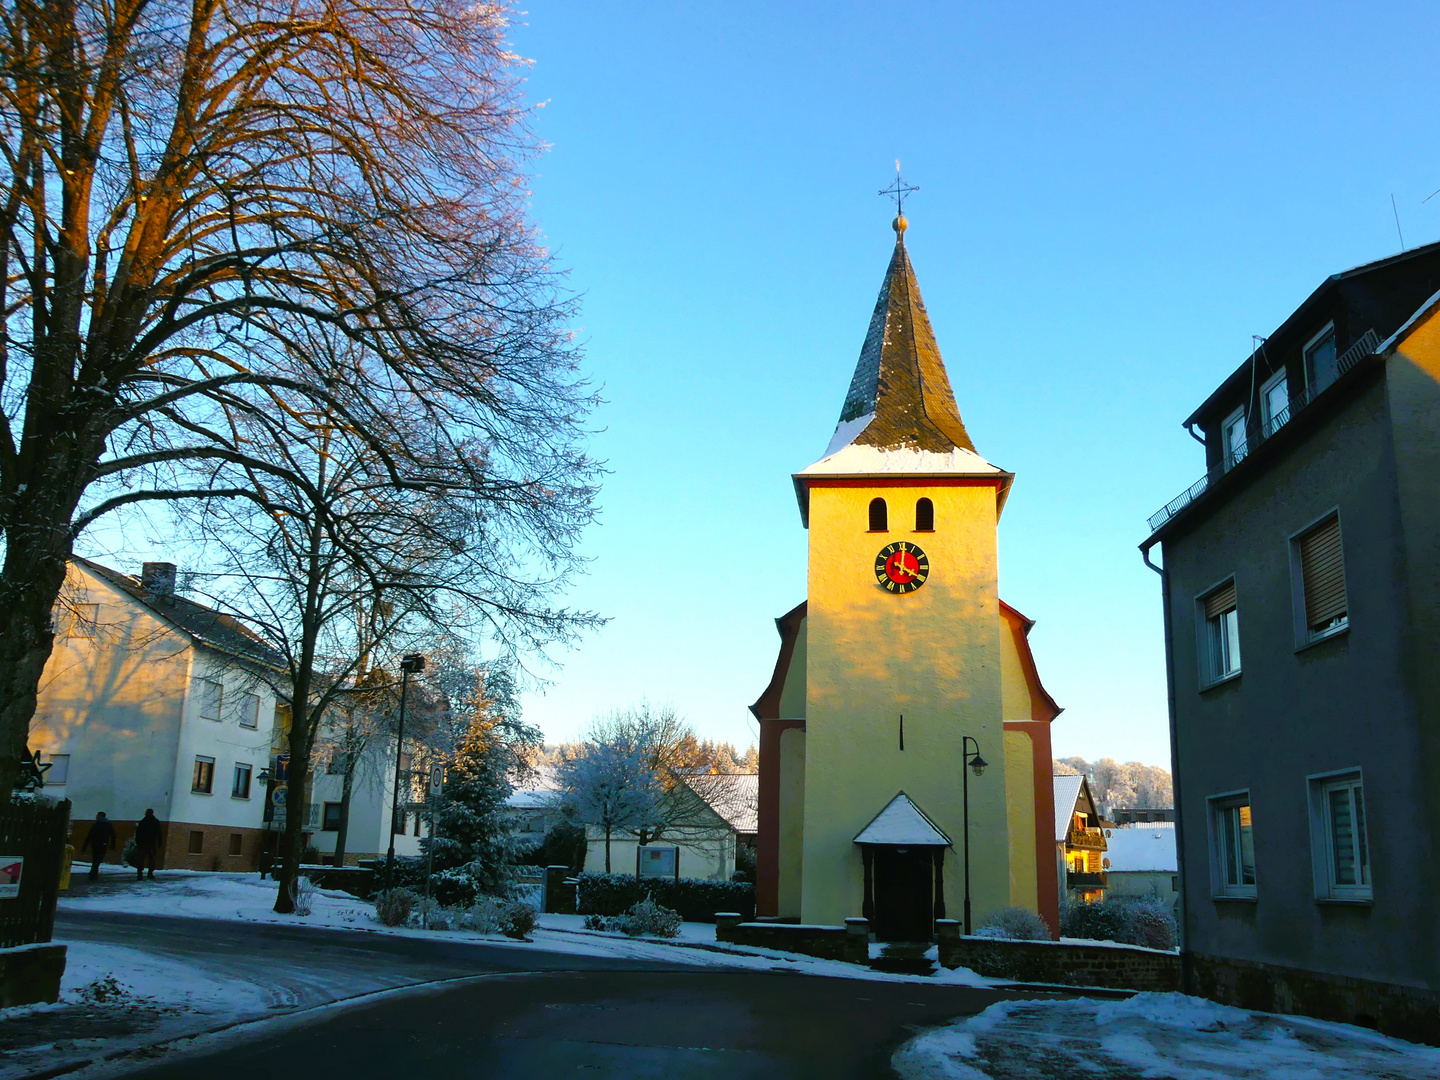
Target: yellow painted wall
<point x="933" y="655"/>
<point x="1015" y="692"/>
<point x="792" y="695"/>
<point x="792" y="820"/>
<point x="1020" y="812"/>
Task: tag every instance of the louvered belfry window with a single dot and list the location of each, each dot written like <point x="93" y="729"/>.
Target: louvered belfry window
<point x="1322" y="570"/>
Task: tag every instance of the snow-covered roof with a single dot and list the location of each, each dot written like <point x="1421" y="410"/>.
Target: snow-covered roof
<point x="532" y="798"/>
<point x="903" y="824"/>
<point x="1143" y="847"/>
<point x="734" y="796"/>
<point x="1067" y="790"/>
<point x="858" y="459"/>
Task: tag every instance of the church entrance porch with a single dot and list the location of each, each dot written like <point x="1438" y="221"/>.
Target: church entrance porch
<point x="904" y="884"/>
<point x="903" y="852"/>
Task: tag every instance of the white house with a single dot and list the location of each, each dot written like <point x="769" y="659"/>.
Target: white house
<point x="1141" y="860"/>
<point x="150" y="700"/>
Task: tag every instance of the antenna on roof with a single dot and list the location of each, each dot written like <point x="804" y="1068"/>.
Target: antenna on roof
<point x="1397" y="220"/>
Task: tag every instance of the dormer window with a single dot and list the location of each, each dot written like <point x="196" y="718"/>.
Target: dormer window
<point x="1274" y="403"/>
<point x="1232" y="434"/>
<point x="879" y="519"/>
<point x="1320" y="360"/>
<point x="924" y="516"/>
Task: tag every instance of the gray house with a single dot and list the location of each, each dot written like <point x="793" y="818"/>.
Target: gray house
<point x="1301" y="585"/>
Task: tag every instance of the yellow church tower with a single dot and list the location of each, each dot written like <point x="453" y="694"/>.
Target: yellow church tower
<point x="905" y="702"/>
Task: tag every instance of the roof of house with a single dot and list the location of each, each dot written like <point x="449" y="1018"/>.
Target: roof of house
<point x="203" y="625"/>
<point x="734" y="796"/>
<point x="1142" y="847"/>
<point x="902" y="823"/>
<point x="900" y="414"/>
<point x="1067" y="793"/>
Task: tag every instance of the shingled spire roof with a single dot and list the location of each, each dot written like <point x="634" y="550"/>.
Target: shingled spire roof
<point x="900" y="415"/>
<point x="900" y="387"/>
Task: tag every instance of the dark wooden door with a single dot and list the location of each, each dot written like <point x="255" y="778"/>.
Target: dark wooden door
<point x="904" y="894"/>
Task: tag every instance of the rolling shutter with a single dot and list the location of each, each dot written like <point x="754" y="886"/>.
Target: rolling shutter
<point x="1323" y="572"/>
<point x="1221" y="600"/>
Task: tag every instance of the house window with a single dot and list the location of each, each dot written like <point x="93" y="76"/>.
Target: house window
<point x="1232" y="434"/>
<point x="879" y="519"/>
<point x="399" y="823"/>
<point x="59" y="770"/>
<point x="202" y="779"/>
<point x="1220" y="646"/>
<point x="240" y="787"/>
<point x="197" y="842"/>
<point x="83" y="620"/>
<point x="313" y="820"/>
<point x="237" y="844"/>
<point x="1320" y="357"/>
<point x="250" y="710"/>
<point x="924" y="516"/>
<point x="1233" y="845"/>
<point x="1338" y="839"/>
<point x="335" y="765"/>
<point x="1323" y="608"/>
<point x="212" y="696"/>
<point x="332" y="817"/>
<point x="1274" y="403"/>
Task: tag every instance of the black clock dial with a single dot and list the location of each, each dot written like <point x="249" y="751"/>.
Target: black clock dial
<point x="901" y="567"/>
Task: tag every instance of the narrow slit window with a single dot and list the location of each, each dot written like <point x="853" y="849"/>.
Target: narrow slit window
<point x="924" y="516"/>
<point x="1322" y="574"/>
<point x="879" y="518"/>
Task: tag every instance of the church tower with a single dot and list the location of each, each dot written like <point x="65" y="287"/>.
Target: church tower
<point x="903" y="667"/>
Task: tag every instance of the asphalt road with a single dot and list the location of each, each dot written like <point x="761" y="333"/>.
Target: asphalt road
<point x="529" y="1014"/>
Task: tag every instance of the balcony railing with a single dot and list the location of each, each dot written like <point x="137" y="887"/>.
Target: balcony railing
<point x="1088" y="839"/>
<point x="1365" y="346"/>
<point x="1086" y="882"/>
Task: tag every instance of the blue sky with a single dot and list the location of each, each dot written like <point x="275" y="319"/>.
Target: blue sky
<point x="1114" y="198"/>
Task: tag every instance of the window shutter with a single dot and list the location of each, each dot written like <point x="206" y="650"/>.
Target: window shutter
<point x="1323" y="572"/>
<point x="1221" y="600"/>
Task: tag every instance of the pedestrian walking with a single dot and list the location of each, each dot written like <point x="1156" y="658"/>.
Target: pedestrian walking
<point x="147" y="844"/>
<point x="100" y="841"/>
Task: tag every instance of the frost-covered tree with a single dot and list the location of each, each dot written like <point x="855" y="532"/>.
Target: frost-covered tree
<point x="612" y="784"/>
<point x="1131" y="784"/>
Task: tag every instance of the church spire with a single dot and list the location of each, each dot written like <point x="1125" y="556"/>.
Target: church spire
<point x="900" y="395"/>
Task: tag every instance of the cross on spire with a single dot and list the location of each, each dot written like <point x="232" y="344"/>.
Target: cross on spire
<point x="899" y="190"/>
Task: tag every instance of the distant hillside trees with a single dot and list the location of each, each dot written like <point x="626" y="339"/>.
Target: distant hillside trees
<point x="1113" y="784"/>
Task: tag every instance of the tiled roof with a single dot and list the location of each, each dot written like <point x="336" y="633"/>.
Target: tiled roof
<point x="204" y="625"/>
<point x="734" y="796"/>
<point x="900" y="381"/>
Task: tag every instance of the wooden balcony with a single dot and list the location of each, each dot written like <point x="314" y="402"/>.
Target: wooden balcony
<point x="1086" y="839"/>
<point x="1086" y="882"/>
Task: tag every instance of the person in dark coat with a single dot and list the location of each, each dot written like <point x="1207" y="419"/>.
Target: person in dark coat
<point x="147" y="844"/>
<point x="100" y="841"/>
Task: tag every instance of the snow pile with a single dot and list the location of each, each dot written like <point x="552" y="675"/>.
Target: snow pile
<point x="1156" y="1035"/>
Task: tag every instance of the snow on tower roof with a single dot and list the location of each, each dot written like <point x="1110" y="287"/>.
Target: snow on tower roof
<point x="899" y="415"/>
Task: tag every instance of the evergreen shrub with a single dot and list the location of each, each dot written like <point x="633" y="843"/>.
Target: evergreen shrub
<point x="694" y="899"/>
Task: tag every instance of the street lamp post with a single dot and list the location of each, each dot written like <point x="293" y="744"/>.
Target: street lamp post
<point x="977" y="763"/>
<point x="410" y="664"/>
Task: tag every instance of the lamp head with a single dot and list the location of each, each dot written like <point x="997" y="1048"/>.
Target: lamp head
<point x="978" y="765"/>
<point x="413" y="663"/>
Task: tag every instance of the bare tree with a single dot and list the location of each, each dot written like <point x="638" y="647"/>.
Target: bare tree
<point x="192" y="191"/>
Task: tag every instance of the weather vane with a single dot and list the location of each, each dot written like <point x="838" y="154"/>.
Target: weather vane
<point x="899" y="189"/>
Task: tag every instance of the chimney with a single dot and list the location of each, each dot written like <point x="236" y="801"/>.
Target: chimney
<point x="158" y="578"/>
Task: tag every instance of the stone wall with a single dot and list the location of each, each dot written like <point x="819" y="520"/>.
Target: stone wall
<point x="1118" y="967"/>
<point x="30" y="974"/>
<point x="850" y="942"/>
<point x="1406" y="1012"/>
<point x="355" y="880"/>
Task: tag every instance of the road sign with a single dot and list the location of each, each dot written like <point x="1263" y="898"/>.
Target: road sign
<point x="277" y="796"/>
<point x="437" y="779"/>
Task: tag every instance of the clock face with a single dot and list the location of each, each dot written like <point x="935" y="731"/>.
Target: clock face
<point x="901" y="567"/>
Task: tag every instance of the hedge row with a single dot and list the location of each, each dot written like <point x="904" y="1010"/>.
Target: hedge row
<point x="695" y="899"/>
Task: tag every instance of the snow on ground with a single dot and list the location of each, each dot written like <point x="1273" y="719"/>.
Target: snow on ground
<point x="1156" y="1035"/>
<point x="245" y="897"/>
